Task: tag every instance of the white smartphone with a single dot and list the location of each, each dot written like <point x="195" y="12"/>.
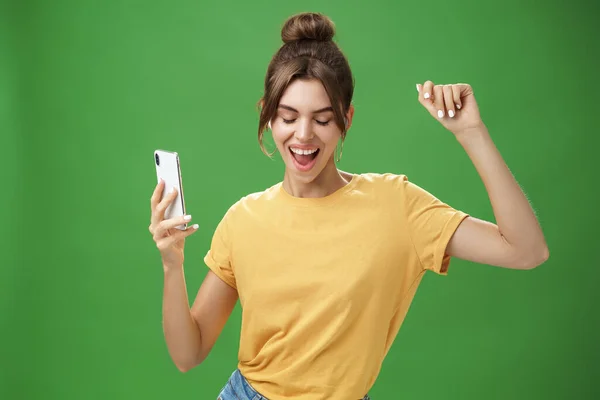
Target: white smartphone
<point x="169" y="170"/>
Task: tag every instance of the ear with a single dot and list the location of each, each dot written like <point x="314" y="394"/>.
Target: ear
<point x="349" y="116"/>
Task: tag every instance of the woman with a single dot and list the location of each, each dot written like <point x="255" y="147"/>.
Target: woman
<point x="326" y="262"/>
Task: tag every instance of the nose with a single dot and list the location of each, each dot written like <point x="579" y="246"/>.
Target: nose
<point x="304" y="131"/>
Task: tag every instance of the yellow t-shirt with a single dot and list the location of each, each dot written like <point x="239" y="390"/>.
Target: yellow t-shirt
<point x="325" y="283"/>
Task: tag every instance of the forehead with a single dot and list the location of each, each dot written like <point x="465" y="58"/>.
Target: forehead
<point x="304" y="94"/>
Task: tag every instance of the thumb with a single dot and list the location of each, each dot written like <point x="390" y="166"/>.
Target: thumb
<point x="464" y="92"/>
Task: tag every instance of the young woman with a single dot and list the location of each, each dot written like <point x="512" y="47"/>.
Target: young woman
<point x="326" y="263"/>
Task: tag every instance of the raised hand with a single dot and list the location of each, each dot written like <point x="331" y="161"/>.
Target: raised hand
<point x="169" y="240"/>
<point x="454" y="106"/>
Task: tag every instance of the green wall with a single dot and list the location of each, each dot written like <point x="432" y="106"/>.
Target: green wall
<point x="91" y="88"/>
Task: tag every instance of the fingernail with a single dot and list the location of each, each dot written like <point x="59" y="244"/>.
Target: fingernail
<point x="426" y="95"/>
<point x="440" y="114"/>
<point x="458" y="106"/>
<point x="418" y="88"/>
<point x="187" y="217"/>
<point x="451" y="113"/>
<point x="196" y="226"/>
<point x="173" y="189"/>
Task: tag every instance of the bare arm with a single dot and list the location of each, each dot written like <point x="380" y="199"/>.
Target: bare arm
<point x="517" y="241"/>
<point x="191" y="333"/>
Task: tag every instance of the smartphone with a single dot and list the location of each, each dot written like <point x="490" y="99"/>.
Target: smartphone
<point x="169" y="170"/>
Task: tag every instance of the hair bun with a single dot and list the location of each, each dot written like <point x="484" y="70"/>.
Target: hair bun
<point x="308" y="26"/>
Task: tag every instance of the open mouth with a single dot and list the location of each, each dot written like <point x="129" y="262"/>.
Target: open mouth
<point x="304" y="159"/>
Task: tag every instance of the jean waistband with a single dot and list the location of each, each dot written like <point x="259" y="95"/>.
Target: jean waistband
<point x="244" y="391"/>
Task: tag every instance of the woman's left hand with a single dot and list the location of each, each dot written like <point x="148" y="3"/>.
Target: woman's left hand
<point x="453" y="105"/>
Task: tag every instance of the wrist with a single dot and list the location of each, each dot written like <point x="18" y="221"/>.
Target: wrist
<point x="169" y="269"/>
<point x="473" y="135"/>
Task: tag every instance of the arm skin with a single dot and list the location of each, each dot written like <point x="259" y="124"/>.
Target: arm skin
<point x="517" y="241"/>
<point x="190" y="334"/>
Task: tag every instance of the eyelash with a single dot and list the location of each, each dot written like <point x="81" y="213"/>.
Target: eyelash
<point x="290" y="121"/>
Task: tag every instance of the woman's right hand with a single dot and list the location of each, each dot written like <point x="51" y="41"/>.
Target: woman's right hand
<point x="169" y="240"/>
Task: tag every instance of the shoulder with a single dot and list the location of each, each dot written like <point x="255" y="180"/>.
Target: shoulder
<point x="397" y="188"/>
<point x="252" y="203"/>
<point x="387" y="182"/>
<point x="383" y="179"/>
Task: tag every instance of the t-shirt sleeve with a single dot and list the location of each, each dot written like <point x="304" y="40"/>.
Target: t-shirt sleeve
<point x="431" y="223"/>
<point x="218" y="258"/>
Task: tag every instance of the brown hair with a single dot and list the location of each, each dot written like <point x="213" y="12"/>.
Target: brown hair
<point x="308" y="52"/>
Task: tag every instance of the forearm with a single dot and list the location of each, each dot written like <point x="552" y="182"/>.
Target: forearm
<point x="515" y="217"/>
<point x="181" y="331"/>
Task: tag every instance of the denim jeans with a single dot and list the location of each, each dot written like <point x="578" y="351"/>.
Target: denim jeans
<point x="238" y="388"/>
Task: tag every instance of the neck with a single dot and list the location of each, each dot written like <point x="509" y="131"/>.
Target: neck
<point x="326" y="183"/>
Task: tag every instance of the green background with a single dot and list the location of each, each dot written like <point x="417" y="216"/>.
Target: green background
<point x="90" y="88"/>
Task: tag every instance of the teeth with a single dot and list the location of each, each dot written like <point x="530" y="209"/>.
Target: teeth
<point x="305" y="152"/>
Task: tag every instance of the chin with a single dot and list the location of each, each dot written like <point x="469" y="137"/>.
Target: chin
<point x="305" y="177"/>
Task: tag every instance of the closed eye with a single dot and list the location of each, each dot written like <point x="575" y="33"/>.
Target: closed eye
<point x="291" y="121"/>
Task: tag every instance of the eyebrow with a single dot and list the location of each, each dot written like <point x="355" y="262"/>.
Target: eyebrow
<point x="320" y="110"/>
